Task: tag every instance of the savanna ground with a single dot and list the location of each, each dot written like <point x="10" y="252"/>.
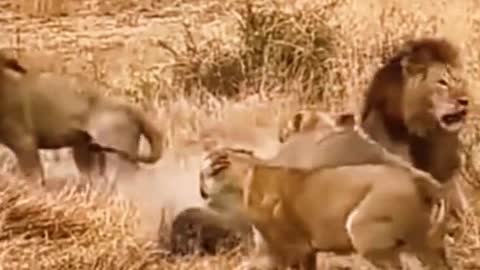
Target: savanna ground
<point x="193" y="64"/>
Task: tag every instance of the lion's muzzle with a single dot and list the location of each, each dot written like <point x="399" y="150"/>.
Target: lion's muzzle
<point x="453" y="115"/>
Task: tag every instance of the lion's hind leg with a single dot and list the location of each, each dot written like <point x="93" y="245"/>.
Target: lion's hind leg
<point x="373" y="234"/>
<point x="26" y="151"/>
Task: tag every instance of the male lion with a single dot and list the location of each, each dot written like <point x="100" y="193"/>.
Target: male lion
<point x="415" y="106"/>
<point x="419" y="101"/>
<point x="377" y="210"/>
<point x="45" y="111"/>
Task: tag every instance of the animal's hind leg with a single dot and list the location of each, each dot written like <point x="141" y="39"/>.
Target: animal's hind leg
<point x="262" y="257"/>
<point x="28" y="158"/>
<point x="373" y="235"/>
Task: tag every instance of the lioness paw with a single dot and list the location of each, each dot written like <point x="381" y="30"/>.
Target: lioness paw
<point x="218" y="160"/>
<point x="213" y="163"/>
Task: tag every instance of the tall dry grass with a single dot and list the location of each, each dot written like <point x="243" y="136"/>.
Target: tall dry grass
<point x="207" y="68"/>
<point x="66" y="231"/>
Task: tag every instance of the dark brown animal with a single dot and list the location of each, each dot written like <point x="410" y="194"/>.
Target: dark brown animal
<point x="200" y="231"/>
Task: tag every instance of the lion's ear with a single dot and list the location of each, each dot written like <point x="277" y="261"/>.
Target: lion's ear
<point x="410" y="67"/>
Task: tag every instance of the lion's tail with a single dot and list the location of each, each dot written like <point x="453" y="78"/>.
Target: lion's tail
<point x="152" y="133"/>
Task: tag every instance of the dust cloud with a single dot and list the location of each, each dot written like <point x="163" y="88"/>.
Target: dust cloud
<point x="171" y="185"/>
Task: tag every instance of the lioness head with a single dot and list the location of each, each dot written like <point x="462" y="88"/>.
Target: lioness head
<point x="221" y="177"/>
<point x="309" y="120"/>
<point x="423" y="88"/>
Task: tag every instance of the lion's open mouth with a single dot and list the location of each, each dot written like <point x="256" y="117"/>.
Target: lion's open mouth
<point x="453" y="121"/>
<point x="454" y="117"/>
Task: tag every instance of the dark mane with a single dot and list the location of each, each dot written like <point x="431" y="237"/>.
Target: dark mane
<point x="421" y="51"/>
<point x="427" y="50"/>
<point x="384" y="105"/>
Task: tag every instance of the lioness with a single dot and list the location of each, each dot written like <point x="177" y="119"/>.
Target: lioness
<point x="377" y="210"/>
<point x="45" y="111"/>
<point x="415" y="106"/>
<point x="327" y="145"/>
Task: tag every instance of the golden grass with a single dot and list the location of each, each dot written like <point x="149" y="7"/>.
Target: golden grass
<point x="65" y="231"/>
<point x="200" y="63"/>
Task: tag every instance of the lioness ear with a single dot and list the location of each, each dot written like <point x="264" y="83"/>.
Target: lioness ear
<point x="14" y="65"/>
<point x="345" y="120"/>
<point x="409" y="67"/>
<point x="297" y="121"/>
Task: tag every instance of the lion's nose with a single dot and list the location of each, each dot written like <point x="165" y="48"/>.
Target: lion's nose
<point x="463" y="101"/>
<point x="203" y="194"/>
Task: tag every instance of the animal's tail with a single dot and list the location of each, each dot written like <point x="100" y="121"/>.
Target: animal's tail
<point x="151" y="132"/>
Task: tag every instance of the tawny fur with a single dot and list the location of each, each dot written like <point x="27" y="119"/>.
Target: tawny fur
<point x="404" y="106"/>
<point x="307" y="149"/>
<point x="49" y="111"/>
<point x="308" y="120"/>
<point x="405" y="103"/>
<point x="377" y="210"/>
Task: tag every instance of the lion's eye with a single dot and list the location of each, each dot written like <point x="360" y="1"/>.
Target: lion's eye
<point x="442" y="82"/>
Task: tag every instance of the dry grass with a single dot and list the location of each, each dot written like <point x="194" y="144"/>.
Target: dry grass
<point x="195" y="64"/>
<point x="66" y="231"/>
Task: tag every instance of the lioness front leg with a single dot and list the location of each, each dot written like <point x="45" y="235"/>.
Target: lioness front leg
<point x="26" y="151"/>
<point x="261" y="258"/>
